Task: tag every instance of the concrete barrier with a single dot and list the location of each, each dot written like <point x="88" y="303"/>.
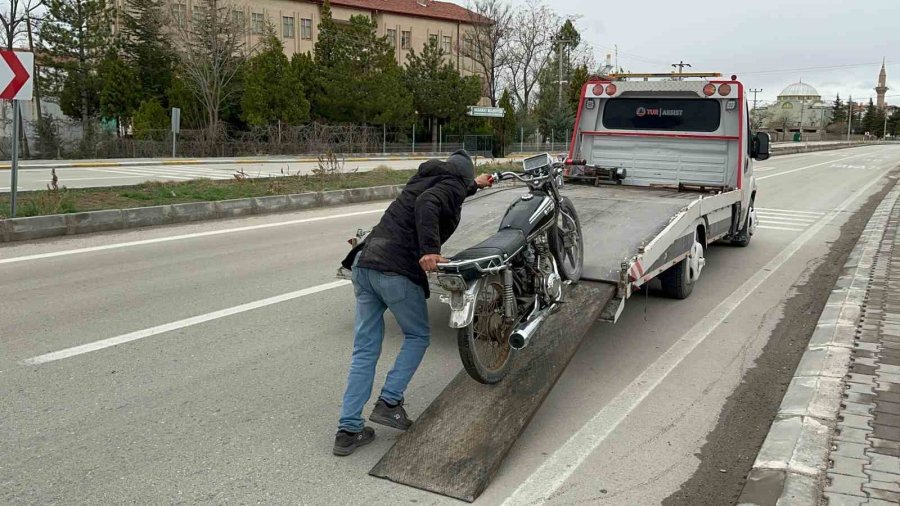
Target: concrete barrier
<point x="38" y="227"/>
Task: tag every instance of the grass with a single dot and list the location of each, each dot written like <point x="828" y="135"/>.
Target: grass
<point x="152" y="193"/>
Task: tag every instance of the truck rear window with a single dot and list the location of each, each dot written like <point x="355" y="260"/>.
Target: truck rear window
<point x="678" y="114"/>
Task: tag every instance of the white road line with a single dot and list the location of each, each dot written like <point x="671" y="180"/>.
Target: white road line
<point x="138" y="173"/>
<point x="788" y="217"/>
<point x="180" y="324"/>
<point x="810" y="166"/>
<point x="791" y="211"/>
<point x="779" y="228"/>
<point x="556" y="470"/>
<point x="144" y="242"/>
<point x="787" y="221"/>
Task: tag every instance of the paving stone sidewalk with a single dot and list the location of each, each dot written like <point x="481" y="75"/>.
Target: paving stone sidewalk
<point x="865" y="451"/>
<point x="836" y="437"/>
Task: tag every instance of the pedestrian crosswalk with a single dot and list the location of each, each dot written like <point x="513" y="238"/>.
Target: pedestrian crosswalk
<point x="786" y="219"/>
<point x="183" y="172"/>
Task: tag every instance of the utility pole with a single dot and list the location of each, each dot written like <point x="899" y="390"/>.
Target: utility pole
<point x="560" y="51"/>
<point x="755" y="91"/>
<point x="680" y="66"/>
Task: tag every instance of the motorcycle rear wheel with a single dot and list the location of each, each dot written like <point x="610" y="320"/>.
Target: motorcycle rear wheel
<point x="484" y="344"/>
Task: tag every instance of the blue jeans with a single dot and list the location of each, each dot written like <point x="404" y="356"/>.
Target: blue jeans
<point x="376" y="292"/>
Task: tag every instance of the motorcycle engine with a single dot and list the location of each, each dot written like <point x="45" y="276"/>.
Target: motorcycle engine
<point x="549" y="282"/>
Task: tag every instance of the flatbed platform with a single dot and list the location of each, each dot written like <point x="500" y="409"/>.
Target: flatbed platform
<point x="615" y="221"/>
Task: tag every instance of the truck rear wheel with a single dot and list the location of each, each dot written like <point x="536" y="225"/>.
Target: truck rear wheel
<point x="743" y="238"/>
<point x="678" y="281"/>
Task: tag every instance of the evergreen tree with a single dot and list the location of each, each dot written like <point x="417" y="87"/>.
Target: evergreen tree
<point x="580" y="75"/>
<point x="150" y="120"/>
<point x="439" y="92"/>
<point x="119" y="95"/>
<point x="872" y="120"/>
<point x="272" y="89"/>
<point x="838" y="110"/>
<point x="147" y="46"/>
<point x="554" y="115"/>
<point x="506" y="125"/>
<point x="75" y="34"/>
<point x="356" y="78"/>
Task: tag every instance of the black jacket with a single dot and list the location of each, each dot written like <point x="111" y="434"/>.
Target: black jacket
<point x="417" y="223"/>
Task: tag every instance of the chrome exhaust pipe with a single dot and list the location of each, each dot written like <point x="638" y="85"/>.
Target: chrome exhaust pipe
<point x="523" y="333"/>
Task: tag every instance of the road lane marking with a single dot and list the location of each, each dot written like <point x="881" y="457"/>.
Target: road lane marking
<point x="788" y="211"/>
<point x="41" y="256"/>
<point x="767" y="227"/>
<point x="773" y="216"/>
<point x="180" y="324"/>
<point x="781" y="219"/>
<point x="810" y="166"/>
<point x="556" y="470"/>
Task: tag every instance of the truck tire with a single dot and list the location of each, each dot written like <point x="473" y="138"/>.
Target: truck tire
<point x="678" y="281"/>
<point x="743" y="238"/>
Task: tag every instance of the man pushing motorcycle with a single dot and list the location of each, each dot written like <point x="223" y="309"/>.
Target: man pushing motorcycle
<point x="389" y="272"/>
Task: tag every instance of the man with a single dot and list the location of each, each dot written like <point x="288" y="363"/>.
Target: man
<point x="389" y="272"/>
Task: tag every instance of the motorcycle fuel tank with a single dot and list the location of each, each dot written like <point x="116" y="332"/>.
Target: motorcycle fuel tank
<point x="529" y="214"/>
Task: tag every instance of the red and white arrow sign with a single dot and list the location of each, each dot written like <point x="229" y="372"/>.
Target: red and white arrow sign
<point x="16" y="69"/>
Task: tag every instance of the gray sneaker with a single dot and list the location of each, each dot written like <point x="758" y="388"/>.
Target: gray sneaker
<point x="346" y="443"/>
<point x="395" y="417"/>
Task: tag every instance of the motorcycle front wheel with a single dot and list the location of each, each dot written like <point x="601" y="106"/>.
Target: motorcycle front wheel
<point x="568" y="243"/>
<point x="484" y="344"/>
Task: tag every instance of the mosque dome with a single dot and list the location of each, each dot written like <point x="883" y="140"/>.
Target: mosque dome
<point x="800" y="89"/>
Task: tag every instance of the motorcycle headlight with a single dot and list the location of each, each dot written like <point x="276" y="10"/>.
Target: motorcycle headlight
<point x="452" y="282"/>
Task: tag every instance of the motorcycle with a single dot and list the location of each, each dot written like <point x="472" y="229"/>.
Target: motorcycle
<point x="501" y="290"/>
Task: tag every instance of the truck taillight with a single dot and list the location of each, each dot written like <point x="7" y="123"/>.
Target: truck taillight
<point x="611" y="89"/>
<point x="598" y="90"/>
<point x="724" y="90"/>
<point x="709" y="90"/>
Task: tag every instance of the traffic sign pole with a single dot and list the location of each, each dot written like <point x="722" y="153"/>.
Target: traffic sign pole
<point x="14" y="165"/>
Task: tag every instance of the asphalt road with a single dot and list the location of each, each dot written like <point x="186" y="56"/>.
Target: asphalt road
<point x="206" y="363"/>
<point x="37" y="178"/>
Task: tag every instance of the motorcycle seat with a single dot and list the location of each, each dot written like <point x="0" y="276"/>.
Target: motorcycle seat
<point x="504" y="244"/>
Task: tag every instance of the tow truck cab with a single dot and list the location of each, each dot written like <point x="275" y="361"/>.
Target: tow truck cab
<point x="677" y="131"/>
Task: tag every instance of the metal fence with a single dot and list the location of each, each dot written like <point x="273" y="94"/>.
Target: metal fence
<point x="64" y="139"/>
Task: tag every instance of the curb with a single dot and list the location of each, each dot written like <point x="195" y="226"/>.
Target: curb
<point x="791" y="465"/>
<point x="38" y="227"/>
<point x="214" y="161"/>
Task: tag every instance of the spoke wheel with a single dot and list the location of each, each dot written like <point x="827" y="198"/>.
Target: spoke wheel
<point x="484" y="344"/>
<point x="567" y="243"/>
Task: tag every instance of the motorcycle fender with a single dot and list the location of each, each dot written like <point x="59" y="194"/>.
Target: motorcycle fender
<point x="462" y="305"/>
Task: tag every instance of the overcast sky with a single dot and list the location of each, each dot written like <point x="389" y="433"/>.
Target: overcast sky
<point x="769" y="44"/>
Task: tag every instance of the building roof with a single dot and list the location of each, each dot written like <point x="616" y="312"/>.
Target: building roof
<point x="417" y="8"/>
<point x="799" y="89"/>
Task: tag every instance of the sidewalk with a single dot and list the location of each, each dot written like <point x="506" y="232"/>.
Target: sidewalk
<point x="836" y="437"/>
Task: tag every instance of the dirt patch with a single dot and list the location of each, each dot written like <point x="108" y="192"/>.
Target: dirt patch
<point x="748" y="413"/>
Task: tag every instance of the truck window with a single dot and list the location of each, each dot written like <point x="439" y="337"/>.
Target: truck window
<point x="678" y="114"/>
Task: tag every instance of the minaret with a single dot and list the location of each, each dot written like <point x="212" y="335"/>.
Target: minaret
<point x="882" y="88"/>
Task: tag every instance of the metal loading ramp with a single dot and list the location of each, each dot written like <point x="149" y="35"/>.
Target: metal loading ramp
<point x="457" y="445"/>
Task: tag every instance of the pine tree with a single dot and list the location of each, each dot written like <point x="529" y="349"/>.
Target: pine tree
<point x="150" y="120"/>
<point x="147" y="46"/>
<point x="507" y="124"/>
<point x="120" y="94"/>
<point x="871" y="119"/>
<point x="356" y="78"/>
<point x="439" y="92"/>
<point x="838" y="110"/>
<point x="272" y="89"/>
<point x="76" y="34"/>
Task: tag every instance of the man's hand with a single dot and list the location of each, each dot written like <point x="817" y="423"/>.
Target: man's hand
<point x="484" y="181"/>
<point x="429" y="262"/>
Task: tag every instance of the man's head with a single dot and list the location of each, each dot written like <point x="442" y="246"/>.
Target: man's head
<point x="461" y="165"/>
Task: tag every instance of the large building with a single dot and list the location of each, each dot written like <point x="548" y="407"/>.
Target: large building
<point x="798" y="108"/>
<point x="408" y="24"/>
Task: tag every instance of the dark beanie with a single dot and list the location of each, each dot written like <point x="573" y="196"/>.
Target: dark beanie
<point x="461" y="164"/>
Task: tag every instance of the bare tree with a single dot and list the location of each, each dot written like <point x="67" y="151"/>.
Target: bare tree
<point x="531" y="43"/>
<point x="15" y="17"/>
<point x="211" y="53"/>
<point x="486" y="42"/>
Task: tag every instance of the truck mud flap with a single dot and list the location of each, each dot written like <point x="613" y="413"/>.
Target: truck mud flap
<point x="459" y="442"/>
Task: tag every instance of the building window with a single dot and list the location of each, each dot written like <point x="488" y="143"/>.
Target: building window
<point x="257" y="23"/>
<point x="787" y="105"/>
<point x="198" y="13"/>
<point x="392" y="37"/>
<point x="405" y="39"/>
<point x="287" y="27"/>
<point x="306" y="29"/>
<point x="179" y="12"/>
<point x="237" y="17"/>
<point x="446" y="43"/>
<point x="432" y="39"/>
